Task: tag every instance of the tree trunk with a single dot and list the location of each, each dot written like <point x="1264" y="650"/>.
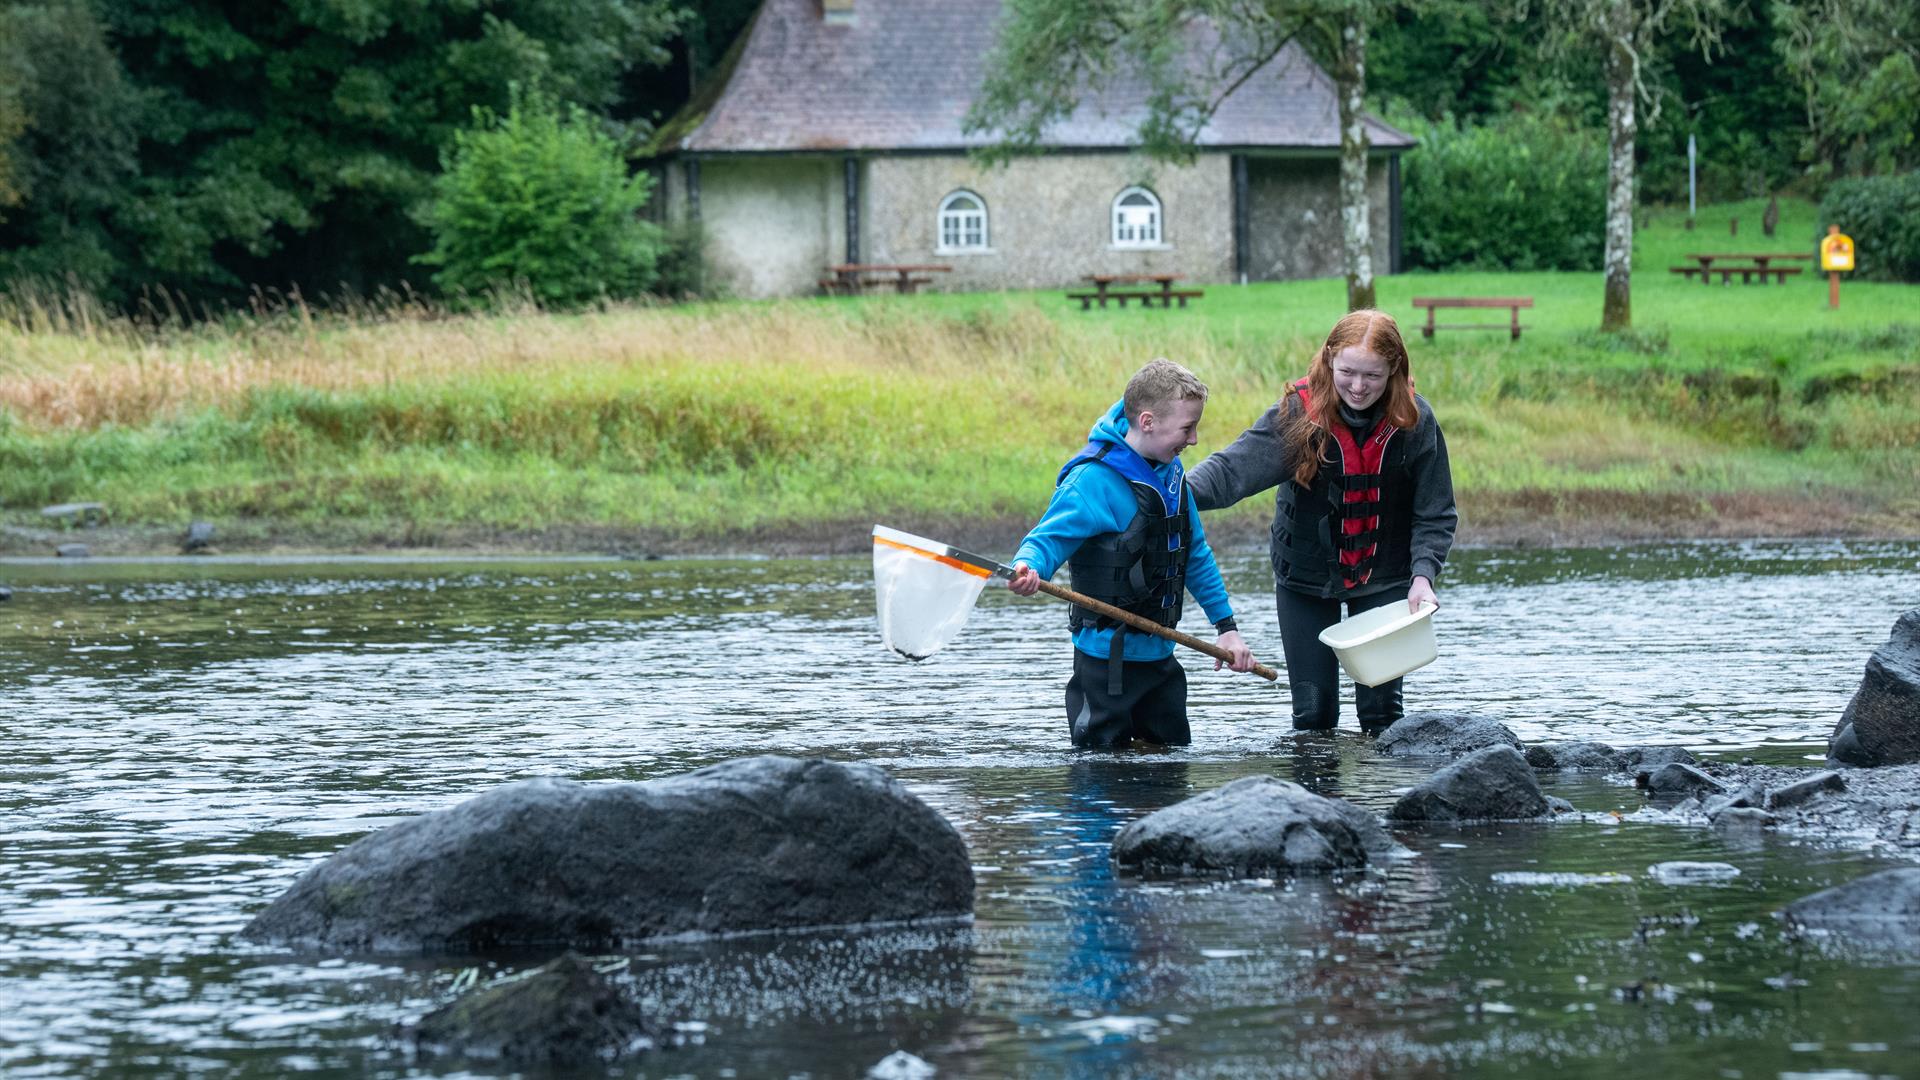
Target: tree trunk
<point x="1622" y="69"/>
<point x="1356" y="237"/>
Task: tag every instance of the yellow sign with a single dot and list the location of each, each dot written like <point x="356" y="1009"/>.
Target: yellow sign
<point x="1836" y="250"/>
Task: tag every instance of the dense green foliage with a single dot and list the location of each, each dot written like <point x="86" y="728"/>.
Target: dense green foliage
<point x="1798" y="92"/>
<point x="1882" y="214"/>
<point x="1517" y="192"/>
<point x="67" y="141"/>
<point x="209" y="147"/>
<point x="278" y="144"/>
<point x="540" y="200"/>
<point x="1855" y="61"/>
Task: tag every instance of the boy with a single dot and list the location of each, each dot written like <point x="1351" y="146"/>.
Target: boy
<point x="1122" y="518"/>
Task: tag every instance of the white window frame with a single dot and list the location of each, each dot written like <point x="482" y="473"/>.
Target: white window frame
<point x="955" y="223"/>
<point x="1127" y="234"/>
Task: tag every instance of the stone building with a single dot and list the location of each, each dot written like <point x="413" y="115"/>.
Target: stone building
<point x="832" y="133"/>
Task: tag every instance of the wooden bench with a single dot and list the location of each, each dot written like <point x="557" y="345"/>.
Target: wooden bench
<point x="1747" y="272"/>
<point x="1433" y="303"/>
<point x="853" y="279"/>
<point x="1148" y="297"/>
<point x="85" y="514"/>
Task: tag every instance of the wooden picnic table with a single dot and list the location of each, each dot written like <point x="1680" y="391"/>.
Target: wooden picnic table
<point x="1104" y="291"/>
<point x="1744" y="263"/>
<point x="852" y="278"/>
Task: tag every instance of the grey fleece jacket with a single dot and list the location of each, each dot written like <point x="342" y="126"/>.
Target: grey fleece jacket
<point x="1259" y="460"/>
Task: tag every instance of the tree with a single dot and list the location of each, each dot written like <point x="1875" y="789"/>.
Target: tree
<point x="1626" y="32"/>
<point x="1857" y="63"/>
<point x="1192" y="55"/>
<point x="290" y="142"/>
<point x="66" y="144"/>
<point x="540" y="198"/>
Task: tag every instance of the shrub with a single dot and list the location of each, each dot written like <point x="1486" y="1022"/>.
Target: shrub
<point x="1521" y="193"/>
<point x="1882" y="214"/>
<point x="540" y="201"/>
<point x="683" y="264"/>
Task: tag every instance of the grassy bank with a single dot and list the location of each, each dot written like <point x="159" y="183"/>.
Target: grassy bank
<point x="1736" y="410"/>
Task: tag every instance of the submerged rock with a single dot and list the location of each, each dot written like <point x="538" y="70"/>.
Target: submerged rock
<point x="1881" y="725"/>
<point x="1691" y="873"/>
<point x="1443" y="734"/>
<point x="759" y="843"/>
<point x="1494" y="783"/>
<point x="564" y="1014"/>
<point x="901" y="1065"/>
<point x="1573" y="755"/>
<point x="1254" y="825"/>
<point x="1741" y="819"/>
<point x="1678" y="779"/>
<point x="1886" y="904"/>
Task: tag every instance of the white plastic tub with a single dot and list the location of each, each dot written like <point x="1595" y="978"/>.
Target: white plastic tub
<point x="1383" y="644"/>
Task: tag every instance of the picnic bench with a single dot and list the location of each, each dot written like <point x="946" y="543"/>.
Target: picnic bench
<point x="1434" y="303"/>
<point x="84" y="514"/>
<point x="852" y="279"/>
<point x="1165" y="295"/>
<point x="1748" y="264"/>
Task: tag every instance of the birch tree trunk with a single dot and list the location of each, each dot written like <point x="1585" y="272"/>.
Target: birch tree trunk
<point x="1356" y="236"/>
<point x="1623" y="65"/>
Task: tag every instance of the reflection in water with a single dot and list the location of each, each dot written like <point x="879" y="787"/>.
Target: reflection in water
<point x="181" y="741"/>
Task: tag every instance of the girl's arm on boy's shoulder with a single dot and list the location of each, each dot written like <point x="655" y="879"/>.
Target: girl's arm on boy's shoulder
<point x="1253" y="463"/>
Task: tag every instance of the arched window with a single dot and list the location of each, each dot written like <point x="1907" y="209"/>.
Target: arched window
<point x="1136" y="219"/>
<point x="963" y="222"/>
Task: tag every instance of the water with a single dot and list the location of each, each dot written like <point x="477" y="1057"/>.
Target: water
<point x="182" y="739"/>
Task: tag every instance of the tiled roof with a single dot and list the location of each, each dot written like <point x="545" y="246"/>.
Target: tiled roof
<point x="903" y="74"/>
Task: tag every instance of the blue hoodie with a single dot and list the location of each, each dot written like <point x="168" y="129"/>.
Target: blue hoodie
<point x="1095" y="499"/>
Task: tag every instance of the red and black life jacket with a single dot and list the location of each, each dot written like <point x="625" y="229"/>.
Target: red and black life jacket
<point x="1359" y="529"/>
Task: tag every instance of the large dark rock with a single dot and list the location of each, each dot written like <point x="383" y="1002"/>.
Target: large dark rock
<point x="1881" y="725"/>
<point x="564" y="1014"/>
<point x="1648" y="758"/>
<point x="1495" y="783"/>
<point x="1886" y="904"/>
<point x="1254" y="825"/>
<point x="199" y="539"/>
<point x="1443" y="734"/>
<point x="1678" y="780"/>
<point x="1573" y="755"/>
<point x="754" y="844"/>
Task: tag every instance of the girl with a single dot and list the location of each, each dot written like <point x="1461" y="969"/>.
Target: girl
<point x="1363" y="511"/>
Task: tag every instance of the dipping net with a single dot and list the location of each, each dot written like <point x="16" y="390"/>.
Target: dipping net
<point x="923" y="593"/>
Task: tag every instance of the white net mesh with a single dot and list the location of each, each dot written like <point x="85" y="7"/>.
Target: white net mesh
<point x="923" y="601"/>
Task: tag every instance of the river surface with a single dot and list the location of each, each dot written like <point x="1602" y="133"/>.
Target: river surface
<point x="181" y="739"/>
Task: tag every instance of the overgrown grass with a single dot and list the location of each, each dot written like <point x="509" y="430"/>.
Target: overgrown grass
<point x="704" y="420"/>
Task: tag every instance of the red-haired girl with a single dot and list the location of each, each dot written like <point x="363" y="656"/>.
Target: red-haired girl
<point x="1364" y="510"/>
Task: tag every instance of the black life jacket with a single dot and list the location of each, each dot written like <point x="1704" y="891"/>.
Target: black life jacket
<point x="1141" y="569"/>
<point x="1354" y="523"/>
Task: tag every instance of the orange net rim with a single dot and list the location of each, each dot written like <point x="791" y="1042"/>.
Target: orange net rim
<point x="944" y="560"/>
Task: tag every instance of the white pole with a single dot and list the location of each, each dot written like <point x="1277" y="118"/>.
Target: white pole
<point x="1690" y="160"/>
